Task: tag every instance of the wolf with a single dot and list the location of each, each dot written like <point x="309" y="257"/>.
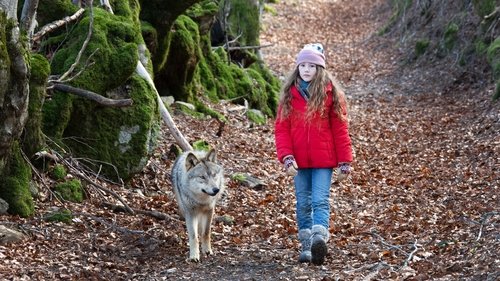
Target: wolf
<point x="198" y="183"/>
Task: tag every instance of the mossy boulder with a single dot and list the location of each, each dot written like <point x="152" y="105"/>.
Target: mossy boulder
<point x="14" y="184"/>
<point x="192" y="68"/>
<point x="70" y="190"/>
<point x="116" y="141"/>
<point x="59" y="216"/>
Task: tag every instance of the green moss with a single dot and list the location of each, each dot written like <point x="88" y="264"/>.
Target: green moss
<point x="421" y="46"/>
<point x="201" y="145"/>
<point x="114" y="45"/>
<point x="244" y="21"/>
<point x="14" y="184"/>
<point x="59" y="172"/>
<point x="269" y="9"/>
<point x="52" y="10"/>
<point x="256" y="117"/>
<point x="205" y="8"/>
<point x="33" y="140"/>
<point x="239" y="177"/>
<point x="119" y="147"/>
<point x="116" y="141"/>
<point x="71" y="190"/>
<point x="493" y="55"/>
<point x="450" y="36"/>
<point x="60" y="216"/>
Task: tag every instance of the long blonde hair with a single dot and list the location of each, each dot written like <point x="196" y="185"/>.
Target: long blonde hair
<point x="316" y="103"/>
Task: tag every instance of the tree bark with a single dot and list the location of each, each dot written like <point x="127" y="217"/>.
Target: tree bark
<point x="14" y="87"/>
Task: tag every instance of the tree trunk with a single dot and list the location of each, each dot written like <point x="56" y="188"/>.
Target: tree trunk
<point x="14" y="80"/>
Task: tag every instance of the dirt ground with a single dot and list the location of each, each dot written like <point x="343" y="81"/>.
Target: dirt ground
<point x="422" y="203"/>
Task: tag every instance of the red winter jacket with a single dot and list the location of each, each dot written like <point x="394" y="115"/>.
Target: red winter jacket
<point x="320" y="143"/>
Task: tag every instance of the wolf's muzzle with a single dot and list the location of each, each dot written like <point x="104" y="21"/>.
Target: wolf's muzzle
<point x="213" y="192"/>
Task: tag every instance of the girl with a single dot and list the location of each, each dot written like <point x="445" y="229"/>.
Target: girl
<point x="312" y="138"/>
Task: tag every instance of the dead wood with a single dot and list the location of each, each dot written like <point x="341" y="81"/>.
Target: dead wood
<point x="92" y="96"/>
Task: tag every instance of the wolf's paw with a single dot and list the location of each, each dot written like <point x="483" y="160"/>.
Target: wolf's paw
<point x="208" y="252"/>
<point x="193" y="259"/>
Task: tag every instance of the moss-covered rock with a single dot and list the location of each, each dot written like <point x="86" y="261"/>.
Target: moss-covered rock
<point x="59" y="216"/>
<point x="71" y="190"/>
<point x="117" y="141"/>
<point x="14" y="184"/>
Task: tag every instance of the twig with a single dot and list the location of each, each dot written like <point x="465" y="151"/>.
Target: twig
<point x="410" y="256"/>
<point x="39" y="176"/>
<point x="84" y="46"/>
<point x="92" y="96"/>
<point x="73" y="170"/>
<point x="54" y="25"/>
<point x="485" y="218"/>
<point x="110" y="225"/>
<point x="249" y="47"/>
<point x="154" y="214"/>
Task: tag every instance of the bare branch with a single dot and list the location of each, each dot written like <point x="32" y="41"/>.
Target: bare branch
<point x="92" y="96"/>
<point x="84" y="46"/>
<point x="154" y="214"/>
<point x="249" y="47"/>
<point x="54" y="25"/>
<point x="28" y="15"/>
<point x="183" y="143"/>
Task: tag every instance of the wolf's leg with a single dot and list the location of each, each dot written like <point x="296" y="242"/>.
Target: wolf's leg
<point x="205" y="232"/>
<point x="192" y="228"/>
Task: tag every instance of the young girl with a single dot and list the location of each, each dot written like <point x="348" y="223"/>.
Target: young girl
<point x="312" y="138"/>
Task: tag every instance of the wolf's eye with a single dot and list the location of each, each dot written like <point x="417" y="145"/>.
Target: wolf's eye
<point x="202" y="177"/>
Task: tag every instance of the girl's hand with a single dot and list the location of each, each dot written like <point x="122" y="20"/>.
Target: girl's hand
<point x="343" y="171"/>
<point x="290" y="165"/>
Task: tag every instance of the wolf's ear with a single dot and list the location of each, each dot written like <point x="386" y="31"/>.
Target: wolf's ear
<point x="212" y="156"/>
<point x="191" y="161"/>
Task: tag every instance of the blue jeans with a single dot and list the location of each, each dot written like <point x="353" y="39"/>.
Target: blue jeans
<point x="312" y="192"/>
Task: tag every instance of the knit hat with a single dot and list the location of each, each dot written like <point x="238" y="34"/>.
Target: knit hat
<point x="312" y="53"/>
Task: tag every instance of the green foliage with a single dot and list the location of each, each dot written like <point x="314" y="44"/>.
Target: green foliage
<point x="14" y="184"/>
<point x="421" y="46"/>
<point x="60" y="216"/>
<point x="71" y="190"/>
<point x="59" y="172"/>
<point x="450" y="35"/>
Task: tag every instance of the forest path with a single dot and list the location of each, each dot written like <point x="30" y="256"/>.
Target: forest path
<point x="421" y="204"/>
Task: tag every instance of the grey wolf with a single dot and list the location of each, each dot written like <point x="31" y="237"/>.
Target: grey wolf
<point x="198" y="182"/>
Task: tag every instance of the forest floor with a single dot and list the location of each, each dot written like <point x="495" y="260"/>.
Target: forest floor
<point x="422" y="204"/>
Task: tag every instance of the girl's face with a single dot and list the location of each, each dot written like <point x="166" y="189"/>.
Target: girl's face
<point x="307" y="71"/>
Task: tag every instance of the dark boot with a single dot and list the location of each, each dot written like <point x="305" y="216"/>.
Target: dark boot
<point x="319" y="249"/>
<point x="305" y="241"/>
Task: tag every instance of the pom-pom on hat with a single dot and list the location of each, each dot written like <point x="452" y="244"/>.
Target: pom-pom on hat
<point x="312" y="53"/>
